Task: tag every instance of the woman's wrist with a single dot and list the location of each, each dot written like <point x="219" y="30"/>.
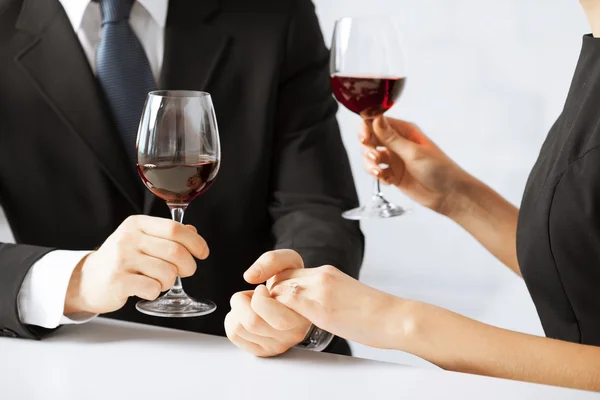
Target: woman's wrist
<point x="461" y="201"/>
<point x="489" y="217"/>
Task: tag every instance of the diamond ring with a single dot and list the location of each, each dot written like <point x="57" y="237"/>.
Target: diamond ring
<point x="294" y="287"/>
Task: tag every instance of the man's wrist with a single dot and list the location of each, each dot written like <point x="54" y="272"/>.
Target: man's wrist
<point x="316" y="339"/>
<point x="74" y="301"/>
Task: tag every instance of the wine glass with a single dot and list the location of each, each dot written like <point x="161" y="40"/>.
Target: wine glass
<point x="178" y="156"/>
<point x="367" y="76"/>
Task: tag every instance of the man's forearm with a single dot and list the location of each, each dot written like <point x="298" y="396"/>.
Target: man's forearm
<point x="16" y="260"/>
<point x="321" y="236"/>
<point x="457" y="343"/>
<point x="491" y="219"/>
<point x="45" y="291"/>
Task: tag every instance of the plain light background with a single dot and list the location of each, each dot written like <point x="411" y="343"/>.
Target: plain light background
<point x="486" y="80"/>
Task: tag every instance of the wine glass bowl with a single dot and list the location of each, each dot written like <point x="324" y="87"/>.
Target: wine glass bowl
<point x="368" y="75"/>
<point x="178" y="158"/>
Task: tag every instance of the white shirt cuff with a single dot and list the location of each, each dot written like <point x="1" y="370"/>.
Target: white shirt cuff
<point x="41" y="299"/>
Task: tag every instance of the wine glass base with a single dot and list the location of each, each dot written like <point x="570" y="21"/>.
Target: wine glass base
<point x="170" y="306"/>
<point x="379" y="208"/>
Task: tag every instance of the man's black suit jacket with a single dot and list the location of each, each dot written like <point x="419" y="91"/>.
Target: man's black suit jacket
<point x="66" y="183"/>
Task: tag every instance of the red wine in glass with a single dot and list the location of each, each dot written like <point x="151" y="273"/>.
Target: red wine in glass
<point x="367" y="96"/>
<point x="179" y="184"/>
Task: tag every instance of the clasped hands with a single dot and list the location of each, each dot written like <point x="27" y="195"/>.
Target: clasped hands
<point x="144" y="256"/>
<point x="277" y="315"/>
<point x="258" y="322"/>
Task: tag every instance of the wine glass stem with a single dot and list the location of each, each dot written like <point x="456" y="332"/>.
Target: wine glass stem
<point x="376" y="184"/>
<point x="177" y="215"/>
<point x="376" y="188"/>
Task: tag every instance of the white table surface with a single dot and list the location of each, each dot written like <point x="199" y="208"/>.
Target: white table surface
<point x="112" y="360"/>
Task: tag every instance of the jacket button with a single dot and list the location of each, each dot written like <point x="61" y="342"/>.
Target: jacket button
<point x="7" y="333"/>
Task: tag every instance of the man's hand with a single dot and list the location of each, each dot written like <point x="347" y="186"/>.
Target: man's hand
<point x="141" y="258"/>
<point x="258" y="323"/>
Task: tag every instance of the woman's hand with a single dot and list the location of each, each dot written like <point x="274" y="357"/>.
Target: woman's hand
<point x="339" y="304"/>
<point x="415" y="164"/>
<point x="421" y="170"/>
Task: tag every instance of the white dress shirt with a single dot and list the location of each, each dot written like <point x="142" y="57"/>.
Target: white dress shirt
<point x="42" y="295"/>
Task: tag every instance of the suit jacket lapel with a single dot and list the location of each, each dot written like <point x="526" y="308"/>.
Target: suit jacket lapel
<point x="58" y="67"/>
<point x="193" y="50"/>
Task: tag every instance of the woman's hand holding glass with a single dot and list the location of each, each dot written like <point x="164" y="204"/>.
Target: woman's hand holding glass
<point x="399" y="154"/>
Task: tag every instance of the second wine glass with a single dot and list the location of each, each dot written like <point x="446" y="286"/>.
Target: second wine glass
<point x="367" y="76"/>
<point x="179" y="153"/>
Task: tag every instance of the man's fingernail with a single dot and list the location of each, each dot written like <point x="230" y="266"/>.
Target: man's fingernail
<point x="251" y="274"/>
<point x="192" y="227"/>
<point x="262" y="289"/>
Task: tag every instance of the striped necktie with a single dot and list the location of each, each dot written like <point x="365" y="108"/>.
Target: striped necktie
<point x="123" y="70"/>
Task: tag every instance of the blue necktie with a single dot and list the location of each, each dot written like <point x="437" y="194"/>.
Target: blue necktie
<point x="123" y="70"/>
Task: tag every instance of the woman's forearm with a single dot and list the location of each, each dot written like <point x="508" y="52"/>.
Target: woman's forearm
<point x="490" y="218"/>
<point x="457" y="343"/>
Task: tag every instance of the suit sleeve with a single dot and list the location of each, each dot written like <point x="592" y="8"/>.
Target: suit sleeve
<point x="312" y="183"/>
<point x="15" y="261"/>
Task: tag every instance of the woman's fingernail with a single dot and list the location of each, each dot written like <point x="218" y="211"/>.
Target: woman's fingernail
<point x="372" y="156"/>
<point x="376" y="172"/>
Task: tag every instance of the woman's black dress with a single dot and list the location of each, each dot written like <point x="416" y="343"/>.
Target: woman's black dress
<point x="558" y="238"/>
